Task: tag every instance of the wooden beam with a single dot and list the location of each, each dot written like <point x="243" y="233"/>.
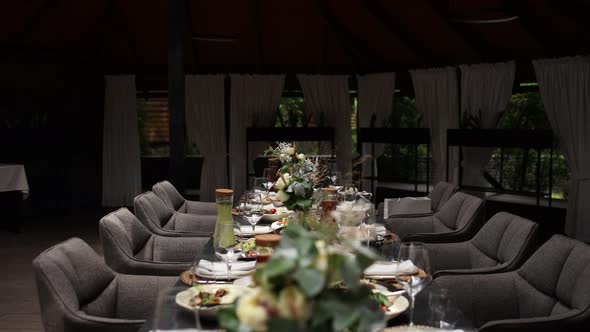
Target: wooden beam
<point x="422" y="53"/>
<point x="480" y="51"/>
<point x="259" y="30"/>
<point x="358" y="51"/>
<point x="531" y="25"/>
<point x="176" y="92"/>
<point x="191" y="53"/>
<point x="34" y="24"/>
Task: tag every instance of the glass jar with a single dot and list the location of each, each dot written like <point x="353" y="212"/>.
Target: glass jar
<point x="328" y="203"/>
<point x="223" y="203"/>
<point x="265" y="244"/>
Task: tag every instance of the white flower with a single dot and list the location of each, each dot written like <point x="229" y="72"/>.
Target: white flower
<point x="282" y="196"/>
<point x="301" y="156"/>
<point x="292" y="304"/>
<point x="289" y="151"/>
<point x="251" y="313"/>
<point x="283" y="181"/>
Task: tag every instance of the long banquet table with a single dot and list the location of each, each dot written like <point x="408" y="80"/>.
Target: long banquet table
<point x="184" y="319"/>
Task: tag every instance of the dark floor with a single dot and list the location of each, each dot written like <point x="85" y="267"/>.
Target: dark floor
<point x="19" y="307"/>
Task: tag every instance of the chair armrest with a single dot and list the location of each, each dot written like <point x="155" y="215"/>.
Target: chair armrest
<point x="484" y="270"/>
<point x="482" y="297"/>
<point x="448" y="256"/>
<point x="83" y="322"/>
<point x="183" y="249"/>
<point x="404" y="226"/>
<point x="201" y="208"/>
<point x="194" y="223"/>
<point x="572" y="321"/>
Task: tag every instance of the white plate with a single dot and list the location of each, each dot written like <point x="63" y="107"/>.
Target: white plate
<point x="275" y="225"/>
<point x="244" y="281"/>
<point x="234" y="291"/>
<point x="400" y="304"/>
<point x="246" y="230"/>
<point x="276" y="216"/>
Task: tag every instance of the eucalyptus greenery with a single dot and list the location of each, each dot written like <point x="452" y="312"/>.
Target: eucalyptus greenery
<point x="295" y="289"/>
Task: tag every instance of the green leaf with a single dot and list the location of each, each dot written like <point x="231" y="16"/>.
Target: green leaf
<point x="282" y="324"/>
<point x="311" y="281"/>
<point x="299" y="189"/>
<point x="350" y="272"/>
<point x="276" y="267"/>
<point x="228" y="319"/>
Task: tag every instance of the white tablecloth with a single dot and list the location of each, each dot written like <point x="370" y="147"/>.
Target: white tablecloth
<point x="13" y="178"/>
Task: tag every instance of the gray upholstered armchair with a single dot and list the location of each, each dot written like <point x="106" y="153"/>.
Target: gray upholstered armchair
<point x="162" y="220"/>
<point x="439" y="195"/>
<point x="174" y="200"/>
<point x="550" y="292"/>
<point x="128" y="247"/>
<point x="501" y="245"/>
<point x="459" y="219"/>
<point x="78" y="292"/>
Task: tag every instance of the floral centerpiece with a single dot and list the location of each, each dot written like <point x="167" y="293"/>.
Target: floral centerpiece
<point x="308" y="285"/>
<point x="297" y="177"/>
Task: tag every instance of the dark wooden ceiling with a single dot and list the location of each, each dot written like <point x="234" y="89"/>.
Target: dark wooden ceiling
<point x="295" y="35"/>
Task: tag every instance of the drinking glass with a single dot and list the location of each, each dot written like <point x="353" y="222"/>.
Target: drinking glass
<point x="226" y="250"/>
<point x="260" y="184"/>
<point x="267" y="173"/>
<point x="350" y="192"/>
<point x="417" y="253"/>
<point x="335" y="178"/>
<point x="444" y="313"/>
<point x="255" y="211"/>
<point x="390" y="249"/>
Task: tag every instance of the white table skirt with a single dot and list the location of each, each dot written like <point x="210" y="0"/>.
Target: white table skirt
<point x="13" y="178"/>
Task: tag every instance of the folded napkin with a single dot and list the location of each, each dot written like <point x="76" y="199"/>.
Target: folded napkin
<point x="391" y="269"/>
<point x="210" y="269"/>
<point x="246" y="230"/>
<point x="380" y="230"/>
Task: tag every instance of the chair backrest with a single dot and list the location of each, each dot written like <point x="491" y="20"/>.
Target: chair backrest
<point x="457" y="212"/>
<point x="503" y="239"/>
<point x="169" y="195"/>
<point x="441" y="193"/>
<point x="554" y="280"/>
<point x="121" y="230"/>
<point x="71" y="277"/>
<point x="152" y="211"/>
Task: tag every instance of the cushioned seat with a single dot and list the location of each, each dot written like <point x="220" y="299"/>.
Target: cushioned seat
<point x="130" y="248"/>
<point x="549" y="292"/>
<point x="174" y="200"/>
<point x="501" y="245"/>
<point x="162" y="220"/>
<point x="458" y="220"/>
<point x="78" y="292"/>
<point x="439" y="195"/>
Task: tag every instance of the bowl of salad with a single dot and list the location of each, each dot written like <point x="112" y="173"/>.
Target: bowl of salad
<point x="248" y="247"/>
<point x="209" y="298"/>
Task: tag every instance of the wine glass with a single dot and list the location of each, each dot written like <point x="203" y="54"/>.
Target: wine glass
<point x="255" y="211"/>
<point x="369" y="222"/>
<point x="225" y="248"/>
<point x="417" y="253"/>
<point x="350" y="192"/>
<point x="267" y="173"/>
<point x="260" y="184"/>
<point x="335" y="178"/>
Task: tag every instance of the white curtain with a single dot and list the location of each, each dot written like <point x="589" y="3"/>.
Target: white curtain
<point x="330" y="95"/>
<point x="565" y="90"/>
<point x="121" y="164"/>
<point x="437" y="98"/>
<point x="205" y="122"/>
<point x="375" y="98"/>
<point x="485" y="92"/>
<point x="254" y="103"/>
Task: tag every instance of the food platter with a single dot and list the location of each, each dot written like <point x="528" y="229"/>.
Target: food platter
<point x="189" y="298"/>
